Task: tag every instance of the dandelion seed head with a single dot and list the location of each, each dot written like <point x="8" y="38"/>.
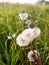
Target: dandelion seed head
<point x="21" y="42"/>
<point x="33" y="55"/>
<point x="27" y="34"/>
<point x="30" y="56"/>
<point x="36" y="32"/>
<point x="23" y="16"/>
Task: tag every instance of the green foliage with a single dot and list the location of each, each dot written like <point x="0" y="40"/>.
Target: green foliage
<point x="10" y="52"/>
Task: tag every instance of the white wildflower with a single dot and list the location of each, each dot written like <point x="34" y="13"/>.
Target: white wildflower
<point x="32" y="55"/>
<point x="21" y="42"/>
<point x="27" y="36"/>
<point x="23" y="16"/>
<point x="9" y="37"/>
<point x="28" y="22"/>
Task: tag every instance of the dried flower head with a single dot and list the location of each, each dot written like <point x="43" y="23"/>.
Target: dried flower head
<point x="32" y="55"/>
<point x="27" y="36"/>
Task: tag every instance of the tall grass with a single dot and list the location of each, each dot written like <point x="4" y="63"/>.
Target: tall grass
<point x="10" y="52"/>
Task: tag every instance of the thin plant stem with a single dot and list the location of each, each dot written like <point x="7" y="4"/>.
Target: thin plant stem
<point x="35" y="44"/>
<point x="31" y="45"/>
<point x="22" y="25"/>
<point x="30" y="63"/>
<point x="40" y="62"/>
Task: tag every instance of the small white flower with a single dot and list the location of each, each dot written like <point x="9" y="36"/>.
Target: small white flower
<point x="9" y="37"/>
<point x="28" y="22"/>
<point x="36" y="32"/>
<point x="13" y="35"/>
<point x="32" y="55"/>
<point x="21" y="42"/>
<point x="23" y="16"/>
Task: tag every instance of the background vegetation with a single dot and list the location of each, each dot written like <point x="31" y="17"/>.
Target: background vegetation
<point x="10" y="52"/>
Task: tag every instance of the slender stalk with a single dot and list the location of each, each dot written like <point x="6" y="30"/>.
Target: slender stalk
<point x="40" y="62"/>
<point x="22" y="25"/>
<point x="30" y="63"/>
<point x="35" y="44"/>
<point x="31" y="45"/>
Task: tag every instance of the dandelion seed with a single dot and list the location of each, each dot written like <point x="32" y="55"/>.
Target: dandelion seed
<point x="9" y="36"/>
<point x="22" y="42"/>
<point x="23" y="16"/>
<point x="27" y="36"/>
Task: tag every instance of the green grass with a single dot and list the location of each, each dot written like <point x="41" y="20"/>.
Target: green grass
<point x="10" y="52"/>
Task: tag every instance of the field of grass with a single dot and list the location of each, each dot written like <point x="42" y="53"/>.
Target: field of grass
<point x="10" y="52"/>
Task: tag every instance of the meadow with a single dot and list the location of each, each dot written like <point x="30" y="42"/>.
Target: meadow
<point x="10" y="52"/>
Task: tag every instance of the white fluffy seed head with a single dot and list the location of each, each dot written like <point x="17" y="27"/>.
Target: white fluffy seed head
<point x="27" y="34"/>
<point x="31" y="55"/>
<point x="23" y="16"/>
<point x="36" y="32"/>
<point x="21" y="42"/>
